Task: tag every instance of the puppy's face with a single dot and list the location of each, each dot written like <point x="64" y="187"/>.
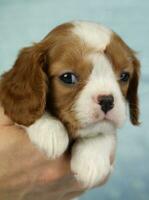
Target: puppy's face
<point x="82" y="73"/>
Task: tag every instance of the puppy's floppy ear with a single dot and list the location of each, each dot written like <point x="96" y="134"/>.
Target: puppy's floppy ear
<point x="23" y="88"/>
<point x="132" y="95"/>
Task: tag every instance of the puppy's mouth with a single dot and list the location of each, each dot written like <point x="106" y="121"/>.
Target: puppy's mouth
<point x="96" y="122"/>
<point x="110" y="117"/>
<point x="101" y="127"/>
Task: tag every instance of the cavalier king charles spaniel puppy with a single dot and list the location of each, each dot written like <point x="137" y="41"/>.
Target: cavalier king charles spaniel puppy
<point x="74" y="87"/>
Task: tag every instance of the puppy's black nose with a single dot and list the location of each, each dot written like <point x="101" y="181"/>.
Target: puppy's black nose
<point x="106" y="102"/>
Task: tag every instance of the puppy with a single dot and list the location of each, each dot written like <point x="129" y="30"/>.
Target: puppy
<point x="74" y="85"/>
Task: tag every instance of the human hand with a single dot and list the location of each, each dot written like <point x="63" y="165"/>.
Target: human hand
<point x="27" y="174"/>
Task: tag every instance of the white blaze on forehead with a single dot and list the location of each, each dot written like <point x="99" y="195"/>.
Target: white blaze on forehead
<point x="102" y="75"/>
<point x="102" y="67"/>
<point x="95" y="35"/>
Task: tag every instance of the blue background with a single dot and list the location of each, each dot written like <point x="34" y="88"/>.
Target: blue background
<point x="25" y="21"/>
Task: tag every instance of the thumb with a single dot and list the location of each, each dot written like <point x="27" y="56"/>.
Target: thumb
<point x="4" y="120"/>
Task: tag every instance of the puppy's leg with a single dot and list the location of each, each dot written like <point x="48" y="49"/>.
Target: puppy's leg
<point x="49" y="135"/>
<point x="91" y="158"/>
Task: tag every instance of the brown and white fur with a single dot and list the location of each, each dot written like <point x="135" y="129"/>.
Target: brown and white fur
<point x="55" y="113"/>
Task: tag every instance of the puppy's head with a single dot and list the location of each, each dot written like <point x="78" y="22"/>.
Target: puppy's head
<point x="82" y="73"/>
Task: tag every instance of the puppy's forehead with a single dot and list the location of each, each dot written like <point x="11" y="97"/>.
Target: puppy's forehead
<point x="73" y="42"/>
<point x="94" y="35"/>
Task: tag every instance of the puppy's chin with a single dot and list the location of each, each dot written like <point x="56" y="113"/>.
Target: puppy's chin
<point x="100" y="127"/>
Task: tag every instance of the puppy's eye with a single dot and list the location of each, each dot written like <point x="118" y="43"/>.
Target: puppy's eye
<point x="69" y="78"/>
<point x="124" y="77"/>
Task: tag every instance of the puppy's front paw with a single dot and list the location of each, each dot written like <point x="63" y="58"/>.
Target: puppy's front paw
<point x="90" y="169"/>
<point x="49" y="135"/>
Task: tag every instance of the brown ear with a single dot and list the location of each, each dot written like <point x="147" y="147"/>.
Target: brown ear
<point x="23" y="88"/>
<point x="132" y="95"/>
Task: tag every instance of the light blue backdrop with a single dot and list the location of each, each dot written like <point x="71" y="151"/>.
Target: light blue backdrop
<point x="25" y="21"/>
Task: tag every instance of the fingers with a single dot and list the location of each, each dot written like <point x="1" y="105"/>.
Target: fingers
<point x="4" y="120"/>
<point x="55" y="170"/>
<point x="72" y="196"/>
<point x="71" y="188"/>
